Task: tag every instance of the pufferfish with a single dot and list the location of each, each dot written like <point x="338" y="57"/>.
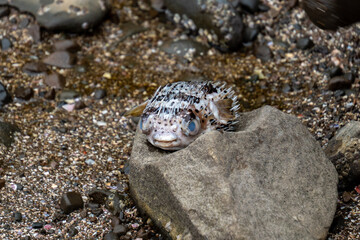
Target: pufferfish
<point x="180" y="112"/>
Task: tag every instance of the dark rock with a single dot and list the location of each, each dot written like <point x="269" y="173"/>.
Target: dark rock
<point x="340" y="150"/>
<point x="304" y="43"/>
<point x="73" y="231"/>
<point x="263" y="8"/>
<point x="110" y="236"/>
<point x="70" y="202"/>
<point x="250" y="5"/>
<point x="34" y="68"/>
<point x="80" y="105"/>
<point x="24" y="23"/>
<point x="113" y="201"/>
<point x="4" y="11"/>
<point x="346" y="196"/>
<point x="5" y="97"/>
<point x="331" y="14"/>
<point x="336" y="71"/>
<point x="5" y="44"/>
<point x="98" y="196"/>
<point x="24" y="93"/>
<point x="35" y="32"/>
<point x="7" y="131"/>
<point x="142" y="234"/>
<point x="19" y="187"/>
<point x="250" y="172"/>
<point x="263" y="52"/>
<point x="129" y="29"/>
<point x="99" y="93"/>
<point x="37" y="225"/>
<point x="61" y="59"/>
<point x="67" y="45"/>
<point x="68" y="94"/>
<point x="350" y="76"/>
<point x="50" y="95"/>
<point x="119" y="230"/>
<point x="250" y="34"/>
<point x="339" y="82"/>
<point x="225" y="22"/>
<point x="184" y="48"/>
<point x="17" y="216"/>
<point x="97" y="211"/>
<point x="73" y="16"/>
<point x="354" y="173"/>
<point x="2" y="183"/>
<point x="55" y="80"/>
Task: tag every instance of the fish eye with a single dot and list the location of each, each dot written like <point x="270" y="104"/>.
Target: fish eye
<point x="193" y="127"/>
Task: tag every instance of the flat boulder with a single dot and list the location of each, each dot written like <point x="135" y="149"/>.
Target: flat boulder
<point x="65" y="15"/>
<point x="268" y="180"/>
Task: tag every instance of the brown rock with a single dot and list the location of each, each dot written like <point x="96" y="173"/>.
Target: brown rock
<point x="24" y="93"/>
<point x="35" y="32"/>
<point x="339" y="82"/>
<point x="61" y="59"/>
<point x="2" y="183"/>
<point x="34" y="68"/>
<point x="263" y="52"/>
<point x="346" y="196"/>
<point x="71" y="201"/>
<point x="55" y="80"/>
<point x="66" y="45"/>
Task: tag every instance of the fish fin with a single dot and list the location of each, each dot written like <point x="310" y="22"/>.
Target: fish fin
<point x="224" y="107"/>
<point x="136" y="111"/>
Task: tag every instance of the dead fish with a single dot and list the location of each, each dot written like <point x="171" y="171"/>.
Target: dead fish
<point x="180" y="112"/>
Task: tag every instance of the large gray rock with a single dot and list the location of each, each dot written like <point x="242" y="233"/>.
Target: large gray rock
<point x="269" y="180"/>
<point x="66" y="15"/>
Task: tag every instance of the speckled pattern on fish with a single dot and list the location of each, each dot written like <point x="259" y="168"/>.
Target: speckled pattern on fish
<point x="180" y="112"/>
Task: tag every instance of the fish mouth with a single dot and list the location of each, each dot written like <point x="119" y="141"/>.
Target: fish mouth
<point x="167" y="145"/>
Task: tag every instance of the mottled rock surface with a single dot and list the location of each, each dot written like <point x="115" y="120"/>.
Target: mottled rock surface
<point x="7" y="131"/>
<point x="269" y="180"/>
<point x="343" y="152"/>
<point x="74" y="15"/>
<point x="217" y="20"/>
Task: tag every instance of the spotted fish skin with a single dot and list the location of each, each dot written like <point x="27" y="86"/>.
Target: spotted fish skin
<point x="180" y="112"/>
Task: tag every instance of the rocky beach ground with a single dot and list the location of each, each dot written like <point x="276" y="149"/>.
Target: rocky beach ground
<point x="69" y="107"/>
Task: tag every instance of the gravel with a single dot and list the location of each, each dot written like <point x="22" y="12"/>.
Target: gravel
<point x="130" y="68"/>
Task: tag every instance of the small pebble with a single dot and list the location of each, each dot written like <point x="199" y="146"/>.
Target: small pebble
<point x="263" y="52"/>
<point x="71" y="201"/>
<point x="24" y="93"/>
<point x="336" y="71"/>
<point x="110" y="236"/>
<point x="119" y="229"/>
<point x="73" y="231"/>
<point x="67" y="45"/>
<point x="2" y="183"/>
<point x="37" y="225"/>
<point x="90" y="162"/>
<point x="5" y="44"/>
<point x="99" y="93"/>
<point x="339" y="82"/>
<point x="61" y="59"/>
<point x="304" y="43"/>
<point x="55" y="80"/>
<point x="34" y="68"/>
<point x="5" y="97"/>
<point x="17" y="217"/>
<point x="346" y="196"/>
